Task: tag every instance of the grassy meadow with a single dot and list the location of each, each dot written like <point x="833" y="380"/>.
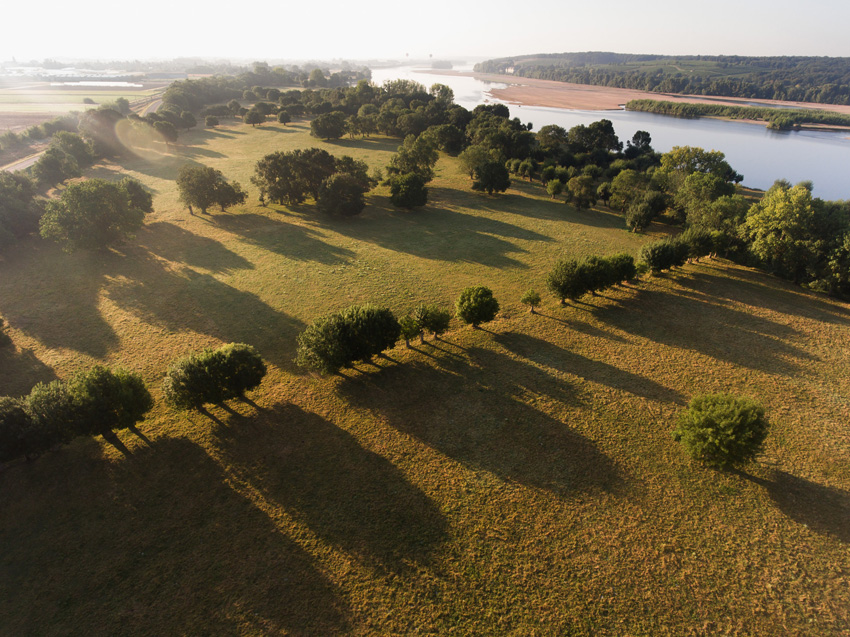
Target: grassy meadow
<point x="514" y="480"/>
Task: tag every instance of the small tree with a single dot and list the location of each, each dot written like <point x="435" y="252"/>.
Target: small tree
<point x="211" y="121"/>
<point x="491" y="177"/>
<point x="566" y="281"/>
<point x="530" y="298"/>
<point x="341" y="194"/>
<point x="191" y="382"/>
<point x="410" y="328"/>
<point x="722" y="430"/>
<point x="188" y="120"/>
<point x="14" y="423"/>
<point x="284" y="118"/>
<point x="254" y="117"/>
<point x="554" y="187"/>
<point x="242" y="369"/>
<point x="52" y="408"/>
<point x="431" y="318"/>
<point x="638" y="216"/>
<point x="476" y="305"/>
<point x="623" y="267"/>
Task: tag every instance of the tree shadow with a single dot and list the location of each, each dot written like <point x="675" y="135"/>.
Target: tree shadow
<point x="546" y="354"/>
<point x="286" y="239"/>
<point x="440" y="234"/>
<point x="156" y="543"/>
<point x="195" y="301"/>
<point x="581" y="327"/>
<point x="21" y="370"/>
<point x="823" y="509"/>
<point x="698" y="322"/>
<point x="378" y="144"/>
<point x="751" y="287"/>
<point x="55" y="297"/>
<point x="174" y="243"/>
<point x="350" y="496"/>
<point x="475" y="411"/>
<point x="199" y="151"/>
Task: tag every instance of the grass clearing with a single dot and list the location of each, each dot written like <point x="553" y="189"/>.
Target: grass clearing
<point x="519" y="479"/>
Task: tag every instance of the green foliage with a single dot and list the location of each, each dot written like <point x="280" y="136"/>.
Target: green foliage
<point x="416" y="155"/>
<point x="722" y="430"/>
<point x="54" y="166"/>
<point x="188" y="120"/>
<point x="254" y="117"/>
<point x="408" y="190"/>
<point x="410" y="328"/>
<point x="203" y="186"/>
<point x="554" y="187"/>
<point x="15" y="422"/>
<point x="341" y="194"/>
<point x="664" y="254"/>
<point x="328" y="125"/>
<point x="211" y="121"/>
<point x="531" y="298"/>
<point x="289" y="177"/>
<point x="138" y="196"/>
<point x="19" y="210"/>
<point x="356" y="333"/>
<point x="53" y="409"/>
<point x="565" y="280"/>
<point x="582" y="191"/>
<point x="432" y="318"/>
<point x="212" y="376"/>
<point x="622" y="267"/>
<point x="109" y="400"/>
<point x="476" y="305"/>
<point x="491" y="177"/>
<point x="91" y="214"/>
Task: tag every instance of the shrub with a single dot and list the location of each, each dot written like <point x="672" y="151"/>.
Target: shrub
<point x="410" y="328"/>
<point x="432" y="318"/>
<point x="341" y="194"/>
<point x="408" y="190"/>
<point x="109" y="400"/>
<point x="52" y="408"/>
<point x="565" y="280"/>
<point x="722" y="430"/>
<point x="242" y="369"/>
<point x="659" y="255"/>
<point x="476" y="305"/>
<point x="14" y="422"/>
<point x="622" y="267"/>
<point x="211" y="120"/>
<point x="356" y="333"/>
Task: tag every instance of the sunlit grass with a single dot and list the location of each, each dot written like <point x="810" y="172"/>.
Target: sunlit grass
<point x="514" y="480"/>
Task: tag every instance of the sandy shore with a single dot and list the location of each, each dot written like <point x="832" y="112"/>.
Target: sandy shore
<point x="530" y="92"/>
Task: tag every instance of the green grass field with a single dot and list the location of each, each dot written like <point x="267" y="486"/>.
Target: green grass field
<point x="514" y="480"/>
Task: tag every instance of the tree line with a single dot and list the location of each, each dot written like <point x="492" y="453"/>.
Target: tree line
<point x="793" y="78"/>
<point x="777" y="118"/>
<point x="101" y="401"/>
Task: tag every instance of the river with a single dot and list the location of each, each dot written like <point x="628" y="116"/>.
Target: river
<point x="761" y="155"/>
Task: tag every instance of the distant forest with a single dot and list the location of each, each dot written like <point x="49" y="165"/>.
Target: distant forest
<point x="806" y="79"/>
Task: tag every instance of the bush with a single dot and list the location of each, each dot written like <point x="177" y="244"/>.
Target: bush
<point x="432" y="318"/>
<point x="109" y="400"/>
<point x="341" y="194"/>
<point x="14" y="422"/>
<point x="211" y="120"/>
<point x="476" y="305"/>
<point x="213" y="376"/>
<point x="408" y="190"/>
<point x="336" y="340"/>
<point x="565" y="280"/>
<point x="622" y="267"/>
<point x="52" y="408"/>
<point x="662" y="255"/>
<point x="722" y="430"/>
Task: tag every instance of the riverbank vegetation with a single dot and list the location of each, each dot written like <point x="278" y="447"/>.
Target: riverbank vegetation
<point x="776" y="118"/>
<point x="516" y="478"/>
<point x="793" y="78"/>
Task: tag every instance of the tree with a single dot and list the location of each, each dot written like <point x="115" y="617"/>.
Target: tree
<point x="194" y="380"/>
<point x="341" y="194"/>
<point x="408" y="190"/>
<point x="203" y="186"/>
<point x="167" y="131"/>
<point x="722" y="430"/>
<point x="328" y="125"/>
<point x="74" y="146"/>
<point x="284" y="118"/>
<point x="565" y="281"/>
<point x="554" y="187"/>
<point x="242" y="369"/>
<point x="14" y="423"/>
<point x="91" y="214"/>
<point x="19" y="210"/>
<point x="416" y="155"/>
<point x="473" y="157"/>
<point x="551" y="138"/>
<point x="582" y="192"/>
<point x="492" y="177"/>
<point x="188" y="120"/>
<point x="622" y="267"/>
<point x="476" y="305"/>
<point x="432" y="318"/>
<point x="138" y="196"/>
<point x="211" y="121"/>
<point x="639" y="215"/>
<point x="531" y="298"/>
<point x="254" y="117"/>
<point x="109" y="400"/>
<point x="53" y="409"/>
<point x="54" y="166"/>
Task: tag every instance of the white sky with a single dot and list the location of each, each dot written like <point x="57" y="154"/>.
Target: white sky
<point x="282" y="29"/>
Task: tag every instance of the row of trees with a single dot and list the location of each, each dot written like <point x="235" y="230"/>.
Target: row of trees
<point x="95" y="402"/>
<point x="572" y="279"/>
<point x="361" y="332"/>
<point x="793" y="78"/>
<point x="100" y="401"/>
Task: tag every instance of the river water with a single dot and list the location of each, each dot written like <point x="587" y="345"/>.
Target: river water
<point x="761" y="155"/>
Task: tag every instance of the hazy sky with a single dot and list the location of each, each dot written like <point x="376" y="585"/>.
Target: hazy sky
<point x="262" y="29"/>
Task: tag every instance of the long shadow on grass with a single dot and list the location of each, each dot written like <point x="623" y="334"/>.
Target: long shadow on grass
<point x="153" y="544"/>
<point x="823" y="509"/>
<point x="347" y="495"/>
<point x="699" y="323"/>
<point x="476" y="410"/>
<point x="548" y="355"/>
<point x="56" y="299"/>
<point x="195" y="301"/>
<point x="758" y="289"/>
<point x="438" y="234"/>
<point x="286" y="239"/>
<point x="174" y="243"/>
<point x="20" y="371"/>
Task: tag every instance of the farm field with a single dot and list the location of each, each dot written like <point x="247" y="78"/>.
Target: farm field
<point x="519" y="479"/>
